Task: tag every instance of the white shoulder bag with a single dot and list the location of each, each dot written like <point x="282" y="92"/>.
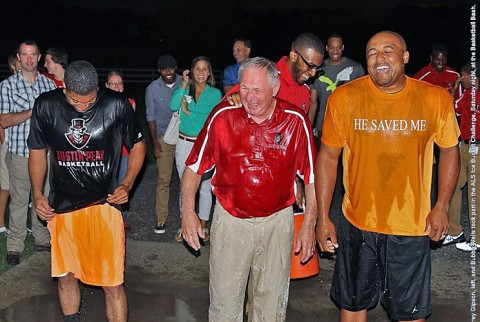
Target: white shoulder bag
<point x="171" y="133"/>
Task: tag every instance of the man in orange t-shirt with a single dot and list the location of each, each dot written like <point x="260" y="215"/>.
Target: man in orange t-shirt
<point x="386" y="125"/>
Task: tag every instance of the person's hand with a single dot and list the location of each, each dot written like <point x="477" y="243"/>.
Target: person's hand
<point x="157" y="149"/>
<point x="119" y="196"/>
<point x="234" y="99"/>
<point x="456" y="84"/>
<point x="306" y="241"/>
<point x="437" y="224"/>
<point x="192" y="229"/>
<point x="300" y="196"/>
<point x="185" y="106"/>
<point x="185" y="78"/>
<point x="326" y="236"/>
<point x="43" y="209"/>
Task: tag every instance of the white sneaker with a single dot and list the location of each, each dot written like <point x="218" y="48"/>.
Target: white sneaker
<point x="5" y="231"/>
<point x="449" y="239"/>
<point x="467" y="247"/>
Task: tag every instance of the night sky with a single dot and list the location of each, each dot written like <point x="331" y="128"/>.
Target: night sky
<point x="133" y="33"/>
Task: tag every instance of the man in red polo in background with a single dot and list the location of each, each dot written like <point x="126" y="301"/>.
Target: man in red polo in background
<point x="302" y="63"/>
<point x="438" y="73"/>
<point x="468" y="147"/>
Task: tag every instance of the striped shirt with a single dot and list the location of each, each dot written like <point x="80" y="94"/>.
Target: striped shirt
<point x="18" y="95"/>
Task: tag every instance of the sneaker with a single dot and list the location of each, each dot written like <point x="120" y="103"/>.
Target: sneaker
<point x="13" y="258"/>
<point x="160" y="228"/>
<point x="449" y="239"/>
<point x="4" y="230"/>
<point x="467" y="247"/>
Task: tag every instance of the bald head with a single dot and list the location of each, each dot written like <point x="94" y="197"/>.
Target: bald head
<point x="386" y="58"/>
<point x="393" y="34"/>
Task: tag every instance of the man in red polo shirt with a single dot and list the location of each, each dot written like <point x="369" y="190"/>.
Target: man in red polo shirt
<point x="466" y="112"/>
<point x="303" y="62"/>
<point x="257" y="151"/>
<point x="438" y="73"/>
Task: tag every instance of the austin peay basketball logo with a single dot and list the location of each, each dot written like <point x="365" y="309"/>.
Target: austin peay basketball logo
<point x="77" y="135"/>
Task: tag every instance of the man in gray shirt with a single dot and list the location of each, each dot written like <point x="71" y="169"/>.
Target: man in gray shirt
<point x="338" y="70"/>
<point x="157" y="100"/>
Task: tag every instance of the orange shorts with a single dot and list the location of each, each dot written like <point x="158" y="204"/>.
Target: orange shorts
<point x="90" y="243"/>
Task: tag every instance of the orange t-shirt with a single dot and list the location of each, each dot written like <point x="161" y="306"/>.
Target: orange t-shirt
<point x="387" y="142"/>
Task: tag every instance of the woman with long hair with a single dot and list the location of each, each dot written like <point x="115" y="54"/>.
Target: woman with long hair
<point x="196" y="98"/>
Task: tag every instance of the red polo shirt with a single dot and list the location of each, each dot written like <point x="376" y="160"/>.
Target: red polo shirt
<point x="290" y="91"/>
<point x="463" y="108"/>
<point x="445" y="79"/>
<point x="255" y="164"/>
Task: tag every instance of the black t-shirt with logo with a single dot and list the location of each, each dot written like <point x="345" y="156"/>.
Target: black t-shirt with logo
<point x="85" y="148"/>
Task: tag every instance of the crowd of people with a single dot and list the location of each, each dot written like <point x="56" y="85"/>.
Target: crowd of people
<point x="74" y="149"/>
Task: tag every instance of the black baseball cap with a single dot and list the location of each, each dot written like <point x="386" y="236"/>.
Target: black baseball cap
<point x="166" y="61"/>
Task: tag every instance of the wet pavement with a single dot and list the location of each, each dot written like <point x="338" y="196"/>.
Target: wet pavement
<point x="165" y="282"/>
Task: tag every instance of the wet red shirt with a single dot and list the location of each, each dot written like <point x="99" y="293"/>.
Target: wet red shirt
<point x="255" y="164"/>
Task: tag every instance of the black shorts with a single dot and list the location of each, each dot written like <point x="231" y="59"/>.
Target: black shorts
<point x="369" y="264"/>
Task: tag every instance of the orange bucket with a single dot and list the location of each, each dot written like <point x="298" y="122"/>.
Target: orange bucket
<point x="297" y="268"/>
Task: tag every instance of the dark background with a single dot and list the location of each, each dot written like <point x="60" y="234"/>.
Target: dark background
<point x="133" y="33"/>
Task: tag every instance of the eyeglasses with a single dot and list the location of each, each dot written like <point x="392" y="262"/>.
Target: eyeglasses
<point x="115" y="84"/>
<point x="311" y="66"/>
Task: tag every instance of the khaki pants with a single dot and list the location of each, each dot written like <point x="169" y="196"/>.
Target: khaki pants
<point x="4" y="177"/>
<point x="455" y="209"/>
<point x="261" y="247"/>
<point x="164" y="175"/>
<point x="19" y="200"/>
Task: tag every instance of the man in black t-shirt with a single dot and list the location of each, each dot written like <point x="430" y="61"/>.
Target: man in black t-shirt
<point x="84" y="128"/>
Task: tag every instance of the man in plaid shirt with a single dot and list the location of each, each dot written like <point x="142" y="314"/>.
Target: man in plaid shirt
<point x="17" y="95"/>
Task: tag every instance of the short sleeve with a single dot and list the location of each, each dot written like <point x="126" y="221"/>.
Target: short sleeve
<point x="448" y="131"/>
<point x="334" y="130"/>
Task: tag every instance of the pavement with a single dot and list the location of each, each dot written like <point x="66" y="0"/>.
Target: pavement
<point x="164" y="281"/>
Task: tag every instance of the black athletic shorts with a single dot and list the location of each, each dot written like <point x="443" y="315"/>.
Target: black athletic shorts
<point x="369" y="264"/>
